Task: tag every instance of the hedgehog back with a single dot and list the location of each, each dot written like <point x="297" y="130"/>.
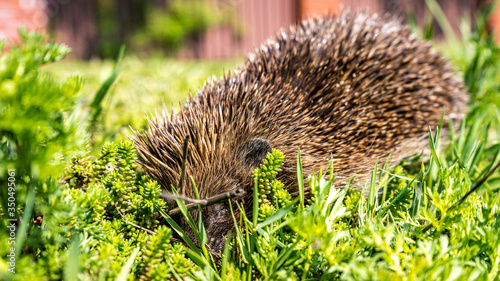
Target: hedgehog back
<point x="353" y="89"/>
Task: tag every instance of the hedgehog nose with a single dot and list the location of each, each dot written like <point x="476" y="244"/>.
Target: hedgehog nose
<point x="217" y="221"/>
<point x="216" y="244"/>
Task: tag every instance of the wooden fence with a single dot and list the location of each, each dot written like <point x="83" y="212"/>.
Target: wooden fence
<point x="254" y="20"/>
<point x="257" y="20"/>
<point x="262" y="18"/>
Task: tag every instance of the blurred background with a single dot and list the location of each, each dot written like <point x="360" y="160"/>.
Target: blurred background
<point x="173" y="46"/>
<point x="196" y="29"/>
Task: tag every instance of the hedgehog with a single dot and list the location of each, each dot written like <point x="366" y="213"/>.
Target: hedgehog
<point x="352" y="89"/>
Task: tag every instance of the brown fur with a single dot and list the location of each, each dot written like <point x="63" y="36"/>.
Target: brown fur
<point x="353" y="88"/>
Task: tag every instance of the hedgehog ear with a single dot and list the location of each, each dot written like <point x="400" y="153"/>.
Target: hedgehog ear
<point x="255" y="150"/>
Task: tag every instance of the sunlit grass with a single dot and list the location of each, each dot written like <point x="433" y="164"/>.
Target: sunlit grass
<point x="142" y="87"/>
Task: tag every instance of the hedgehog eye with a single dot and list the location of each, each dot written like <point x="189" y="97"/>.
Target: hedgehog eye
<point x="255" y="151"/>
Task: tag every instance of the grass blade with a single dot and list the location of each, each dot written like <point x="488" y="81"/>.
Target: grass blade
<point x="180" y="232"/>
<point x="201" y="226"/>
<point x="239" y="237"/>
<point x="23" y="228"/>
<point x="187" y="215"/>
<point x="441" y="18"/>
<point x="255" y="213"/>
<point x="123" y="275"/>
<point x="432" y="143"/>
<point x="96" y="104"/>
<point x="417" y="194"/>
<point x="300" y="178"/>
<point x="371" y="194"/>
<point x="72" y="267"/>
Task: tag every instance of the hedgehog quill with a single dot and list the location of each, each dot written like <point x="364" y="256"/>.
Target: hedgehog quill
<point x="350" y="88"/>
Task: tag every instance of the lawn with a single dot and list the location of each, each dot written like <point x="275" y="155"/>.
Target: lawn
<point x="143" y="86"/>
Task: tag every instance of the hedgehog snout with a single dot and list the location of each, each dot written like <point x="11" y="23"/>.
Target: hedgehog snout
<point x="218" y="221"/>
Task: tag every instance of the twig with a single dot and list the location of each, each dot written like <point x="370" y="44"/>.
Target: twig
<point x="173" y="239"/>
<point x="133" y="224"/>
<point x="476" y="186"/>
<point x="210" y="201"/>
<point x="100" y="158"/>
<point x="170" y="198"/>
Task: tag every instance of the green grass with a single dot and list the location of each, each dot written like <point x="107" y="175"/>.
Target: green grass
<point x="96" y="216"/>
<point x="142" y="87"/>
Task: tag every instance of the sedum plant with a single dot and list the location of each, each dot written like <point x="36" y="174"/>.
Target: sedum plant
<point x="85" y="221"/>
